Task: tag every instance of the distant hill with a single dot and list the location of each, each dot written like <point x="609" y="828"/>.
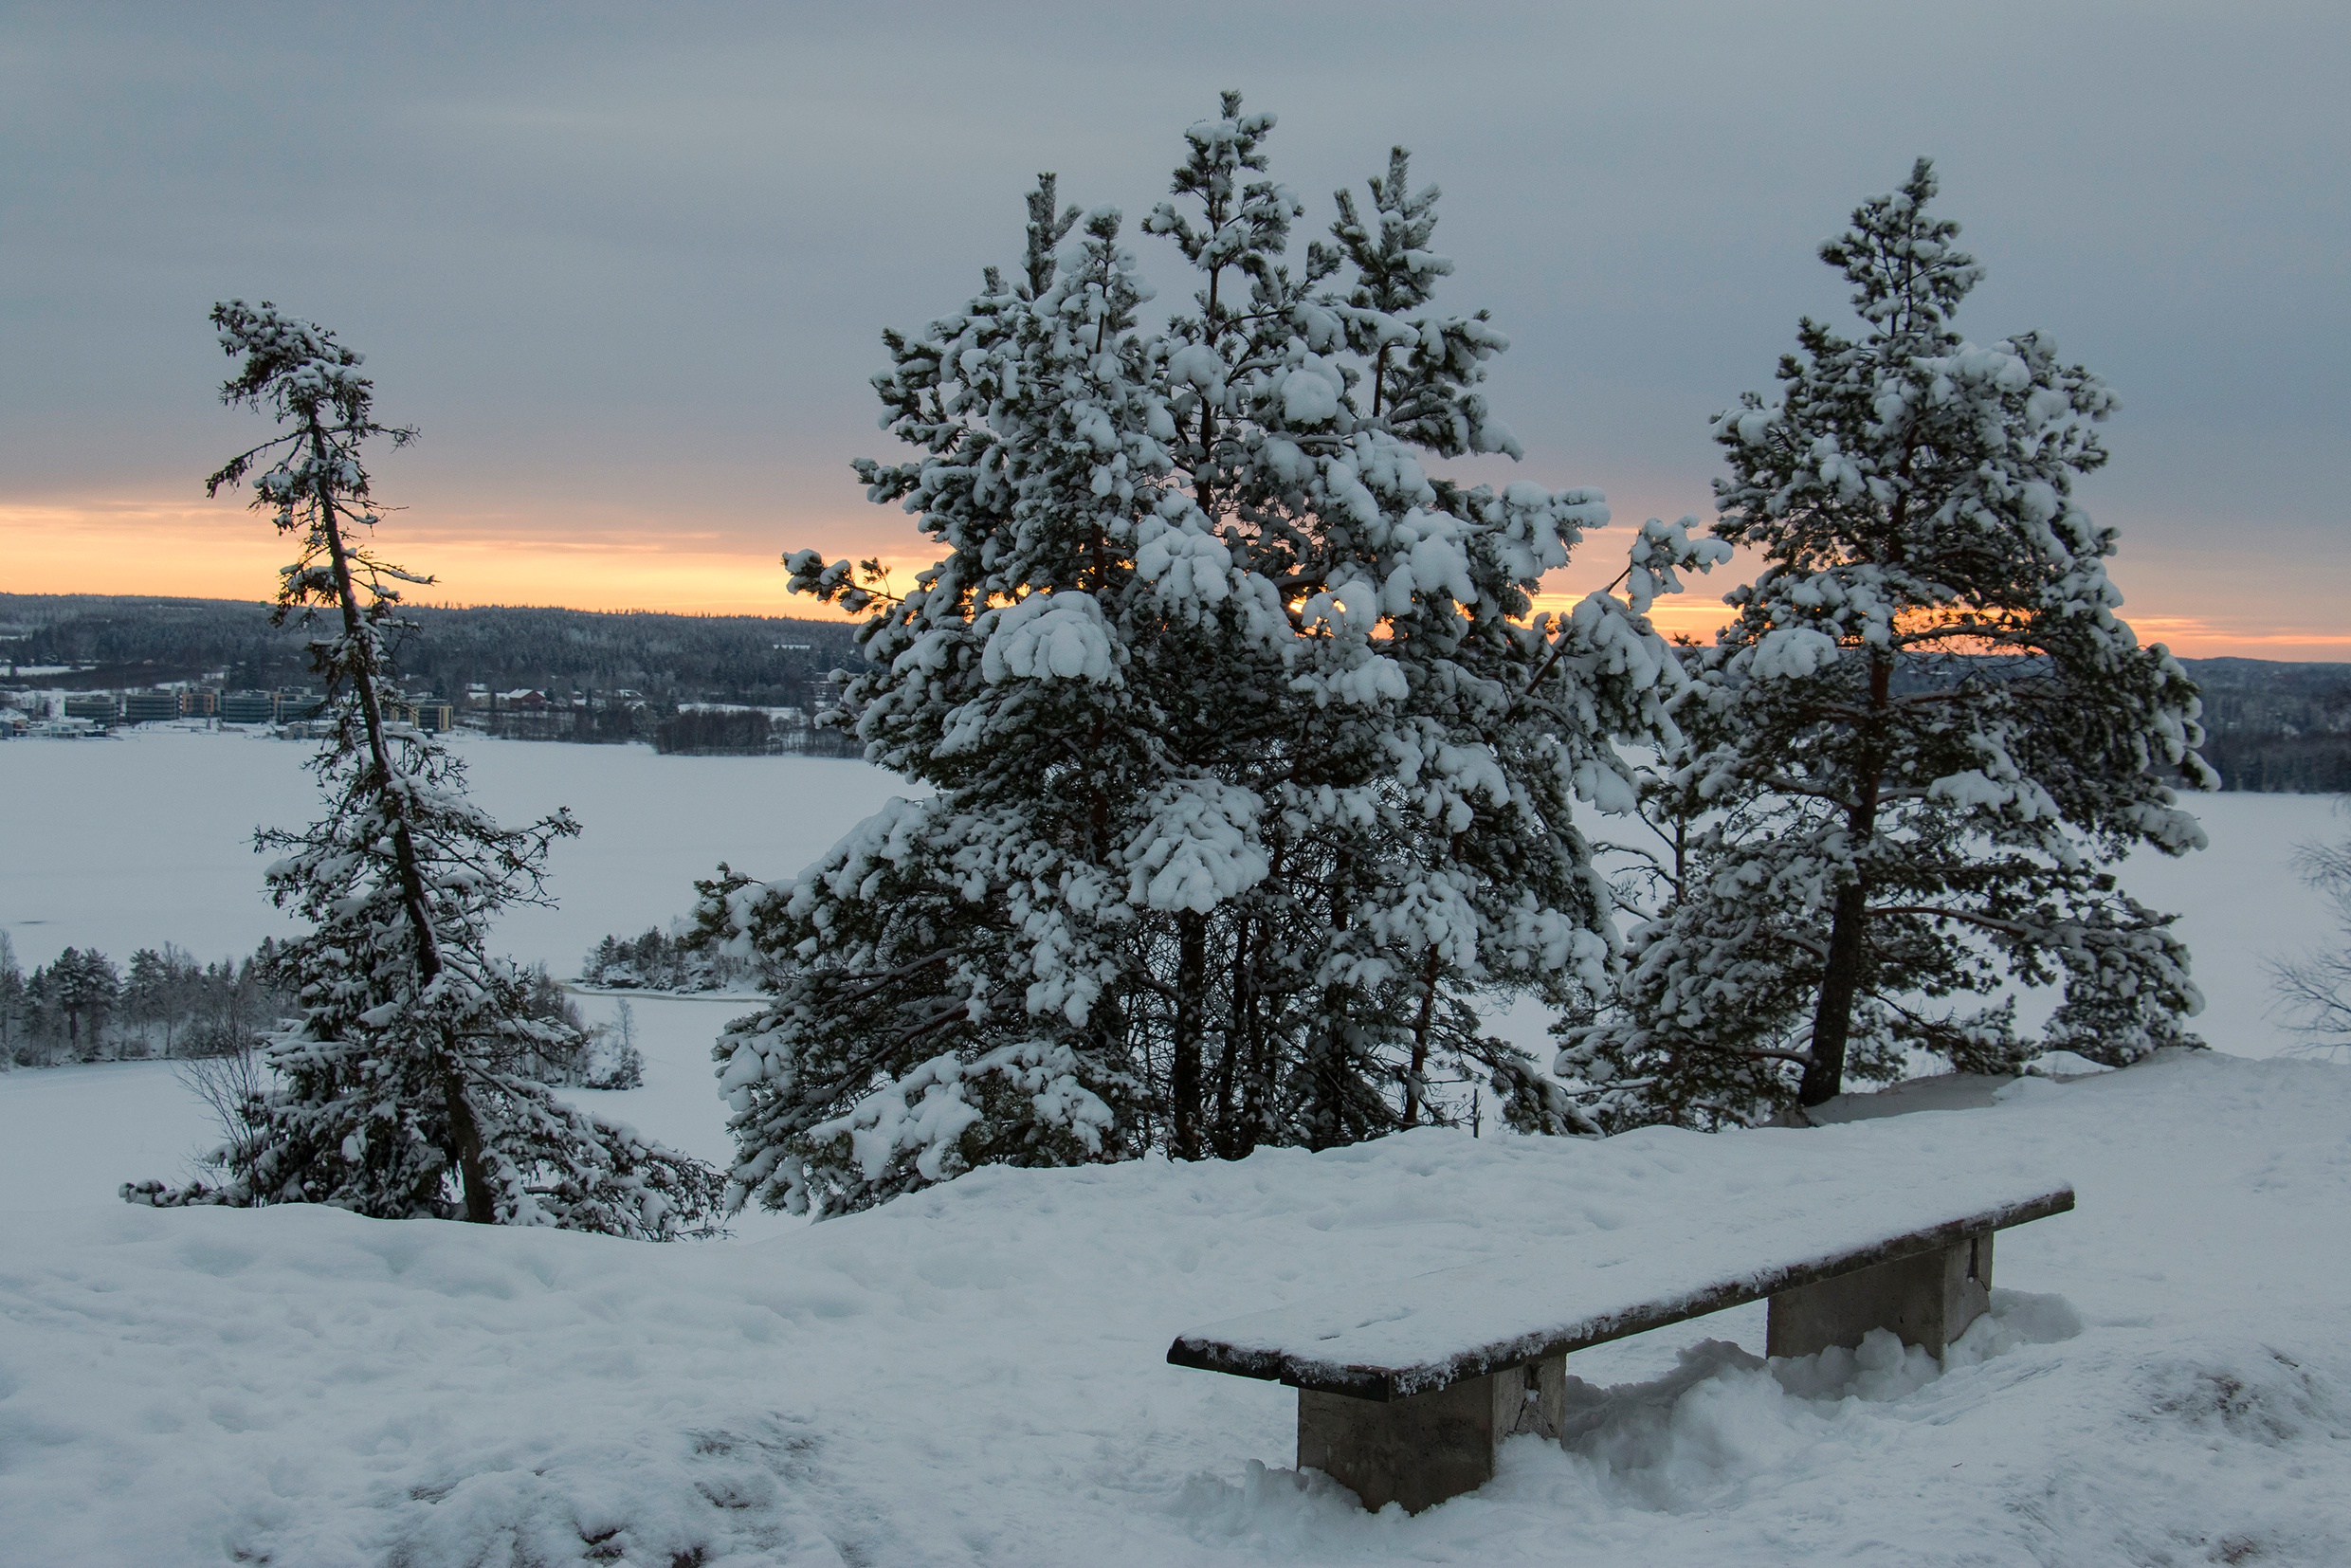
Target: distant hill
<point x="2277" y="727"/>
<point x="127" y="641"/>
<point x="2274" y="726"/>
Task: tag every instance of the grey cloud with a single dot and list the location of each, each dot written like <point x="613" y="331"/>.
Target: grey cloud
<point x="636" y="257"/>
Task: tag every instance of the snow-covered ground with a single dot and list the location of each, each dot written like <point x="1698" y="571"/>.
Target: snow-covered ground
<point x="974" y="1376"/>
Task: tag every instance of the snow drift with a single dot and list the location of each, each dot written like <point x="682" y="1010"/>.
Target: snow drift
<point x="973" y="1375"/>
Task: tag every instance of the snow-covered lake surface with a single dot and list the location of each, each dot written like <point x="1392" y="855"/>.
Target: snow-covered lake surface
<point x="147" y="837"/>
<point x="130" y="842"/>
<point x="974" y="1374"/>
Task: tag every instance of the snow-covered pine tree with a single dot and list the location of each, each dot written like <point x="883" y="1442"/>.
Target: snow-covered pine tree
<point x="1252" y="777"/>
<point x="11" y="1003"/>
<point x="1910" y="755"/>
<point x="400" y="1094"/>
<point x="82" y="987"/>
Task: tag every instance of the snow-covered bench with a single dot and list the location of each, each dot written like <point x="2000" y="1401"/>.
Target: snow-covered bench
<point x="1405" y="1392"/>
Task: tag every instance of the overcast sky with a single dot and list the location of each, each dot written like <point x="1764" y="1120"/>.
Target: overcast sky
<point x="626" y="265"/>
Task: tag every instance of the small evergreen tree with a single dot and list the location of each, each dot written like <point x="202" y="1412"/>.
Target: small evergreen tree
<point x="1910" y="757"/>
<point x="84" y="988"/>
<point x="12" y="1004"/>
<point x="149" y="997"/>
<point x="1253" y="779"/>
<point x="404" y="1092"/>
<point x="44" y="1025"/>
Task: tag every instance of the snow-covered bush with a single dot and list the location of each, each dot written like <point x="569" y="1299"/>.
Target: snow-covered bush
<point x="658" y="962"/>
<point x="411" y="1086"/>
<point x="1908" y="760"/>
<point x="1252" y="774"/>
<point x="2315" y="989"/>
<point x="614" y="1062"/>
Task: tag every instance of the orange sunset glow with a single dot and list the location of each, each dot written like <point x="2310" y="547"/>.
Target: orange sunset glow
<point x="221" y="549"/>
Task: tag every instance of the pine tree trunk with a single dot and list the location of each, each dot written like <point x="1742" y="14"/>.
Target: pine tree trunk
<point x="1222" y="1134"/>
<point x="464" y="1128"/>
<point x="1326" y="1109"/>
<point x="1412" y="1080"/>
<point x="1190" y="1012"/>
<point x="1832" y="1016"/>
<point x="1840" y="977"/>
<point x="1254" y="1043"/>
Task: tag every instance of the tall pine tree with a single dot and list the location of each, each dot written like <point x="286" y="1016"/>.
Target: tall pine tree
<point x="1253" y="776"/>
<point x="1910" y="756"/>
<point x="404" y="1091"/>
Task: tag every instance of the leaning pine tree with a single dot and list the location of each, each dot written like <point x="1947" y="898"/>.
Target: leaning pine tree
<point x="402" y="1092"/>
<point x="1252" y="777"/>
<point x="1908" y="760"/>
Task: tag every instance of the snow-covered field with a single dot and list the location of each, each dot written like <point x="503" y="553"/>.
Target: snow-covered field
<point x="974" y="1374"/>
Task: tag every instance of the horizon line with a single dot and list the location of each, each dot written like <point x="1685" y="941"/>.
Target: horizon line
<point x="1553" y="603"/>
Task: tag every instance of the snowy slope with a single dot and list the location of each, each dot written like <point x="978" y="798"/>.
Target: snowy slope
<point x="973" y="1375"/>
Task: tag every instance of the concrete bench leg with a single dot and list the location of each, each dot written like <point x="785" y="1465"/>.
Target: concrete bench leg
<point x="1423" y="1449"/>
<point x="1929" y="1300"/>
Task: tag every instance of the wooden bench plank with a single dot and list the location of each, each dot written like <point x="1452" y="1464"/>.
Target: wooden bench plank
<point x="1434" y="1330"/>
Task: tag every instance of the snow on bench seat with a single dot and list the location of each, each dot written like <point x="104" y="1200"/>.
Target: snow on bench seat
<point x="1436" y="1329"/>
<point x="1406" y="1390"/>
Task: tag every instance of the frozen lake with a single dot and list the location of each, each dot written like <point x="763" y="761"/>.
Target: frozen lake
<point x="132" y="843"/>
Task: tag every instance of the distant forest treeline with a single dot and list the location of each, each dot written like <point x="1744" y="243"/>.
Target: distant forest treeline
<point x="656" y="962"/>
<point x="2274" y="726"/>
<point x="756" y="660"/>
<point x="2277" y="727"/>
<point x="82" y="1007"/>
